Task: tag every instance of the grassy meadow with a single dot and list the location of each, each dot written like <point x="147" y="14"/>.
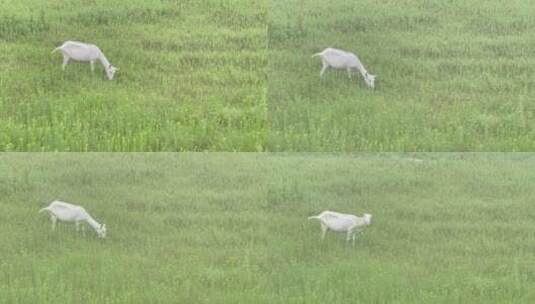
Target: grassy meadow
<point x="445" y="229"/>
<point x="181" y="228"/>
<point x="192" y="76"/>
<point x="232" y="228"/>
<point x="452" y="76"/>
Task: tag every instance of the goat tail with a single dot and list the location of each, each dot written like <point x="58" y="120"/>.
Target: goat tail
<point x="43" y="210"/>
<point x="317" y="54"/>
<point x="56" y="49"/>
<point x="313" y="217"/>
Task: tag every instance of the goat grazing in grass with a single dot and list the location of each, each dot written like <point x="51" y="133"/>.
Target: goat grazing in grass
<point x="72" y="213"/>
<point x="339" y="59"/>
<point x="80" y="51"/>
<point x="340" y="222"/>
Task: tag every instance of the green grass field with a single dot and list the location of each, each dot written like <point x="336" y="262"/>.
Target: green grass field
<point x="451" y="229"/>
<point x="192" y="76"/>
<point x="232" y="228"/>
<point x="219" y="75"/>
<point x="182" y="228"/>
<point x="452" y="76"/>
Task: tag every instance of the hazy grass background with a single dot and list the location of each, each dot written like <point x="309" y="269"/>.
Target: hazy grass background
<point x="232" y="228"/>
<point x="452" y="76"/>
<point x="192" y="76"/>
<point x="181" y="229"/>
<point x="447" y="229"/>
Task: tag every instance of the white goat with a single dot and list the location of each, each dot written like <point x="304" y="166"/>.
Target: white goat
<point x="80" y="51"/>
<point x="72" y="213"/>
<point x="341" y="222"/>
<point x="339" y="59"/>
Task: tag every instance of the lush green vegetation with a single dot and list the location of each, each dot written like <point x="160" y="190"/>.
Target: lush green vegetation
<point x="182" y="228"/>
<point x="448" y="229"/>
<point x="452" y="76"/>
<point x="192" y="76"/>
<point x="232" y="228"/>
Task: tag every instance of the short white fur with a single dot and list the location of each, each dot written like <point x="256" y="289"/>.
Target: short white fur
<point x="341" y="222"/>
<point x="81" y="51"/>
<point x="339" y="59"/>
<point x="66" y="212"/>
